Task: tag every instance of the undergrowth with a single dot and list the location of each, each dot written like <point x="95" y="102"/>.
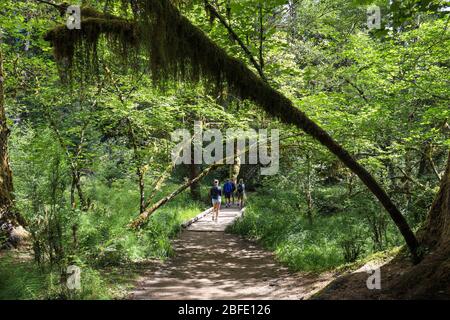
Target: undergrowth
<point x="276" y="221"/>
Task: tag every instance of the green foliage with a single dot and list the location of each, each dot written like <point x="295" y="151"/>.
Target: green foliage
<point x="21" y="280"/>
<point x="276" y="221"/>
<point x="105" y="237"/>
<point x="351" y="247"/>
<point x="24" y="280"/>
<point x="102" y="237"/>
<point x="383" y="95"/>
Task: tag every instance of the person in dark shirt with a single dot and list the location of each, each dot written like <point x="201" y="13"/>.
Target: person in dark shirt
<point x="228" y="190"/>
<point x="216" y="198"/>
<point x="233" y="191"/>
<point x="241" y="193"/>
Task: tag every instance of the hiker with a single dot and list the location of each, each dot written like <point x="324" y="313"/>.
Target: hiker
<point x="233" y="191"/>
<point x="227" y="190"/>
<point x="240" y="193"/>
<point x="216" y="197"/>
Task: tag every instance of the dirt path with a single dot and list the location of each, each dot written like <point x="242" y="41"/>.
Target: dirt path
<point x="210" y="264"/>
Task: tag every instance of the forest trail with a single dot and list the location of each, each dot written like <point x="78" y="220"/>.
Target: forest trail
<point x="211" y="264"/>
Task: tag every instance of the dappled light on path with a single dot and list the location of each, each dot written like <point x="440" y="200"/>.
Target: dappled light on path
<point x="210" y="264"/>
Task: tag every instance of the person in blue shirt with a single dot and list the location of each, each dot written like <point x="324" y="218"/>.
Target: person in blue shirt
<point x="228" y="190"/>
<point x="233" y="191"/>
<point x="216" y="198"/>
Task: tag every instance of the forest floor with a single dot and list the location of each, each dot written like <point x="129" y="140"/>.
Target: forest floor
<point x="211" y="264"/>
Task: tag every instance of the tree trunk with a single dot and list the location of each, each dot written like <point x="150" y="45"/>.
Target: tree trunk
<point x="140" y="168"/>
<point x="430" y="279"/>
<point x="249" y="86"/>
<point x="6" y="185"/>
<point x="10" y="221"/>
<point x="83" y="201"/>
<point x="194" y="170"/>
<point x="436" y="231"/>
<point x="76" y="185"/>
<point x="309" y="199"/>
<point x="141" y="190"/>
<point x="74" y="165"/>
<point x="261" y="36"/>
<point x="424" y="164"/>
<point x="235" y="169"/>
<point x="73" y="203"/>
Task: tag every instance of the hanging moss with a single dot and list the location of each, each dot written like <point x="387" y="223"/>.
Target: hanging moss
<point x="175" y="50"/>
<point x="79" y="48"/>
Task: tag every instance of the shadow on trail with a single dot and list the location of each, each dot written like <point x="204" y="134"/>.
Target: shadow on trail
<point x="216" y="265"/>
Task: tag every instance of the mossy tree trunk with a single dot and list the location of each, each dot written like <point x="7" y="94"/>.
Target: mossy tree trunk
<point x="235" y="168"/>
<point x="308" y="191"/>
<point x="436" y="231"/>
<point x="6" y="185"/>
<point x="10" y="220"/>
<point x="194" y="169"/>
<point x="430" y="279"/>
<point x="140" y="166"/>
<point x="76" y="185"/>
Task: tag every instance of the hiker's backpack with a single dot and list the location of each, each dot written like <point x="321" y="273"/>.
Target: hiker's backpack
<point x="240" y="188"/>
